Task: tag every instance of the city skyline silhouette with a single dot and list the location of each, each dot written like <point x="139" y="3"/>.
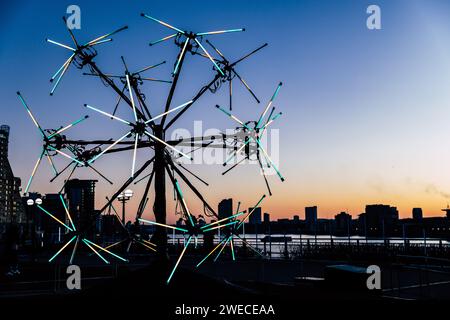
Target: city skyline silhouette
<point x="267" y="155"/>
<point x="362" y="139"/>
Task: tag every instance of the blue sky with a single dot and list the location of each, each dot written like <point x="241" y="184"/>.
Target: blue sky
<point x="365" y="113"/>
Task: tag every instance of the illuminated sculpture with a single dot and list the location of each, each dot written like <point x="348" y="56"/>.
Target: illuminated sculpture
<point x="232" y="230"/>
<point x="77" y="235"/>
<point x="145" y="130"/>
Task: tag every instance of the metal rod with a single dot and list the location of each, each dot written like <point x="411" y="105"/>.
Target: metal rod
<point x="126" y="184"/>
<point x="172" y="88"/>
<point x="196" y="97"/>
<point x="144" y="198"/>
<point x="191" y="186"/>
<point x="179" y="259"/>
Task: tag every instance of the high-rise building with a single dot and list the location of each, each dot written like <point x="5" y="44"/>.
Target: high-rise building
<point x="52" y="203"/>
<point x="379" y="220"/>
<point x="343" y="223"/>
<point x="225" y="208"/>
<point x="311" y="218"/>
<point x="311" y="215"/>
<point x="11" y="206"/>
<point x="266" y="217"/>
<point x="417" y="213"/>
<point x="255" y="217"/>
<point x="81" y="202"/>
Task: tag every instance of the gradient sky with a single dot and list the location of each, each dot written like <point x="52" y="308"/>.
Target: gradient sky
<point x="366" y="112"/>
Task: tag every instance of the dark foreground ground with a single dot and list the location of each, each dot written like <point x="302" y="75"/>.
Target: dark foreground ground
<point x="290" y="287"/>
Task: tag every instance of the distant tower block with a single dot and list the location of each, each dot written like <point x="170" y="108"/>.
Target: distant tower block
<point x="225" y="208"/>
<point x="447" y="211"/>
<point x="417" y="213"/>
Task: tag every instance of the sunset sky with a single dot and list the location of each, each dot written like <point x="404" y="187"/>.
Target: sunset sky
<point x="365" y="112"/>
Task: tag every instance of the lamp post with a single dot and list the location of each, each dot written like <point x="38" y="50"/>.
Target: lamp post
<point x="124" y="197"/>
<point x="30" y="203"/>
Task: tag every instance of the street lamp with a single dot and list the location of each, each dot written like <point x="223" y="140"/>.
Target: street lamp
<point x="124" y="197"/>
<point x="30" y="203"/>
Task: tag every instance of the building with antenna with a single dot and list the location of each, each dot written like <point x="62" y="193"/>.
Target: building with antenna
<point x="447" y="212"/>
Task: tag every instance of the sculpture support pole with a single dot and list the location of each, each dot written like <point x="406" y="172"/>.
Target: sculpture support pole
<point x="160" y="235"/>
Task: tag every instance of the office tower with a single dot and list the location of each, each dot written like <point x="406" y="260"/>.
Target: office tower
<point x="255" y="217"/>
<point x="343" y="222"/>
<point x="379" y="219"/>
<point x="311" y="218"/>
<point x="266" y="218"/>
<point x="53" y="231"/>
<point x="225" y="208"/>
<point x="311" y="215"/>
<point x="80" y="195"/>
<point x="417" y="213"/>
<point x="11" y="206"/>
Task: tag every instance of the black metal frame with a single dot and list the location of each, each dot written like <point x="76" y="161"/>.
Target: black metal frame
<point x="146" y="131"/>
